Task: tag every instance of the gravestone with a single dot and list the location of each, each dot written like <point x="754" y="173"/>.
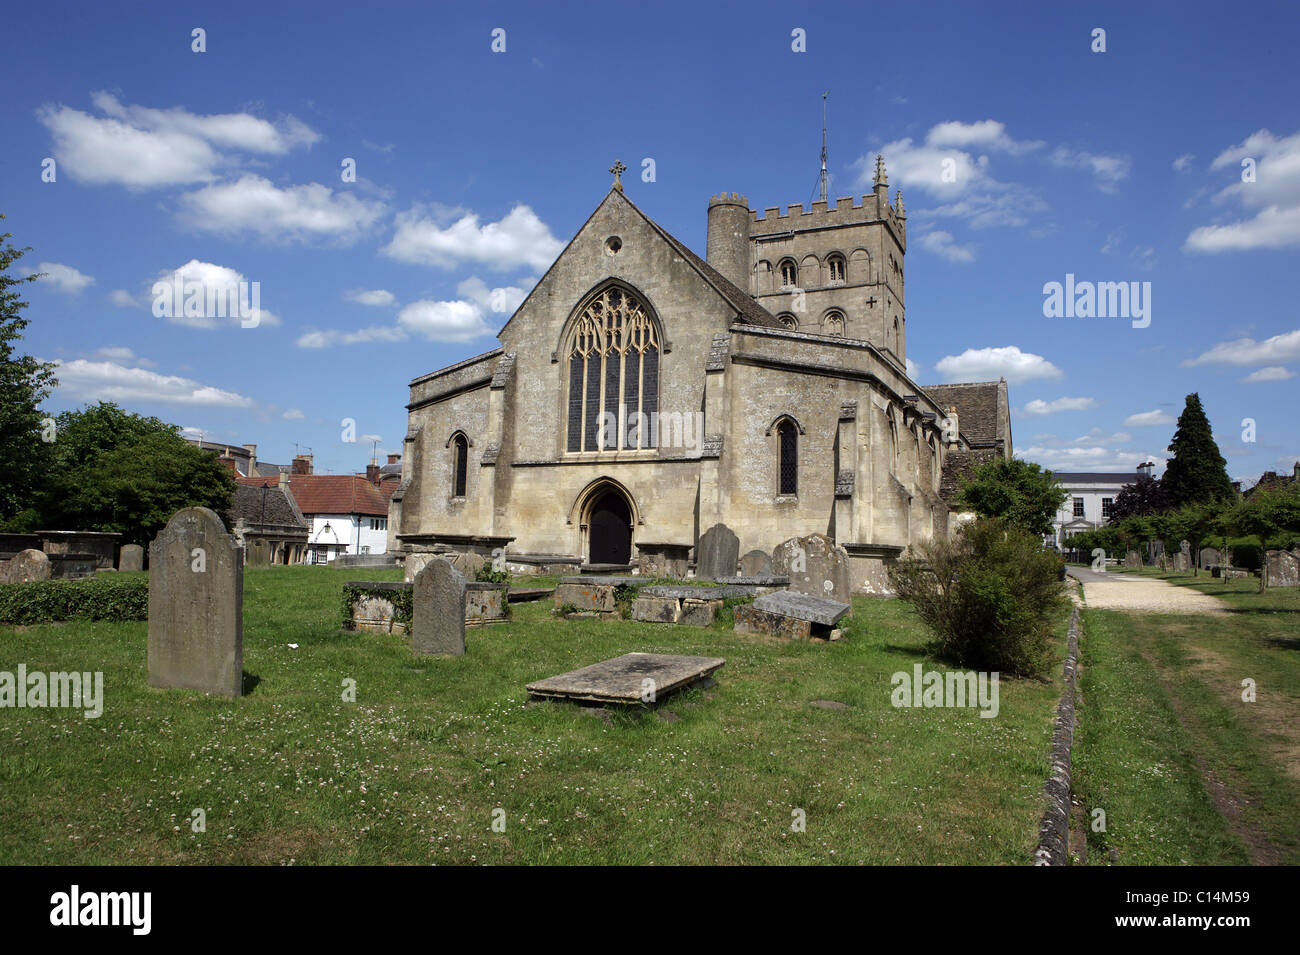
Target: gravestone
<point x="131" y="557"/>
<point x="1186" y="547"/>
<point x="1283" y="568"/>
<point x="815" y="566"/>
<point x="468" y="565"/>
<point x="196" y="606"/>
<point x="632" y="679"/>
<point x="28" y="566"/>
<point x="756" y="563"/>
<point x="1132" y="559"/>
<point x="717" y="553"/>
<point x="1182" y="561"/>
<point x="1209" y="557"/>
<point x="438" y="610"/>
<point x="259" y="553"/>
<point x="790" y="615"/>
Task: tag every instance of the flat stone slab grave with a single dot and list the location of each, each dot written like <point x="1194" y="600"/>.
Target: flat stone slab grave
<point x="790" y="603"/>
<point x="622" y="679"/>
<point x="789" y="615"/>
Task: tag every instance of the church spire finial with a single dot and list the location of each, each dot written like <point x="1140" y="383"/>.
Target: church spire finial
<point x="898" y="204"/>
<point x="881" y="178"/>
<point x="618" y="169"/>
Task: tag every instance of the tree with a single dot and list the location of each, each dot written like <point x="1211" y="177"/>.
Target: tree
<point x="24" y="384"/>
<point x="1142" y="498"/>
<point x="1019" y="492"/>
<point x="1265" y="515"/>
<point x="85" y="434"/>
<point x="135" y="488"/>
<point x="1197" y="472"/>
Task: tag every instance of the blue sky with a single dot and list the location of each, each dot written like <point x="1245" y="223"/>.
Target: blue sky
<point x="474" y="167"/>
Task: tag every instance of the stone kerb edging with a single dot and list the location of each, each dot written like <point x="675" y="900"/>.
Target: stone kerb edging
<point x="1054" y="832"/>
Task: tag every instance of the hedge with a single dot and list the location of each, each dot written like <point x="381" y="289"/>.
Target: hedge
<point x="94" y="598"/>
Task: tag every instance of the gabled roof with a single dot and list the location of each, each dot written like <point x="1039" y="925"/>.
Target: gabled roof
<point x="272" y="508"/>
<point x="748" y="311"/>
<point x="333" y="494"/>
<point x="1096" y="477"/>
<point x="977" y="409"/>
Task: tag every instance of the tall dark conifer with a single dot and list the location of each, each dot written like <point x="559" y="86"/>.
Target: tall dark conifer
<point x="1197" y="472"/>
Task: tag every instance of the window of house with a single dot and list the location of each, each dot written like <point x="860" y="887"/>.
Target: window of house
<point x="1106" y="504"/>
<point x="1078" y="507"/>
<point x="789" y="273"/>
<point x="613" y="371"/>
<point x="836" y="264"/>
<point x="788" y="464"/>
<point x="460" y="465"/>
<point x="379" y="523"/>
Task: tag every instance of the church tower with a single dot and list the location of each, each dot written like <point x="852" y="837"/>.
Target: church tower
<point x="826" y="271"/>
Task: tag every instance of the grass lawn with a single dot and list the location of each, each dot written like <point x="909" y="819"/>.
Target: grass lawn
<point x="1187" y="771"/>
<point x="412" y="771"/>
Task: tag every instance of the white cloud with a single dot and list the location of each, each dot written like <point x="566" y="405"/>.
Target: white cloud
<point x="293" y="414"/>
<point x="1274" y="196"/>
<point x="64" y="278"/>
<point x="1108" y="171"/>
<point x="1146" y="419"/>
<point x="222" y="291"/>
<point x="1271" y="373"/>
<point x="503" y="300"/>
<point x="454" y="321"/>
<point x="1247" y="351"/>
<point x="519" y="239"/>
<point x="296" y="213"/>
<point x="122" y="298"/>
<point x="122" y="355"/>
<point x="372" y="437"/>
<point x="1183" y="162"/>
<point x="942" y="244"/>
<point x="378" y="298"/>
<point x="1040" y="407"/>
<point x="331" y="337"/>
<point x="1084" y="457"/>
<point x="109" y="381"/>
<point x="990" y="364"/>
<point x="986" y="134"/>
<point x="142" y="148"/>
<point x="913" y="369"/>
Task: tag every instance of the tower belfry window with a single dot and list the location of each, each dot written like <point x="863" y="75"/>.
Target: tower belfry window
<point x="836" y="264"/>
<point x="613" y="375"/>
<point x="789" y="274"/>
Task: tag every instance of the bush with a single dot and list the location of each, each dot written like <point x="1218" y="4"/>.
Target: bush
<point x="402" y="599"/>
<point x="486" y="574"/>
<point x="95" y="598"/>
<point x="991" y="597"/>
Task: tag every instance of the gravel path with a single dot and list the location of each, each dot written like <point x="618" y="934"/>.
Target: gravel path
<point x="1116" y="591"/>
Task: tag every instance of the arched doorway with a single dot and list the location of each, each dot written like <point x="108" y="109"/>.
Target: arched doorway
<point x="609" y="530"/>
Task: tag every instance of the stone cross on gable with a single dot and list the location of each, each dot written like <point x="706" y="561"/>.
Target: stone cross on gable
<point x="618" y="169"/>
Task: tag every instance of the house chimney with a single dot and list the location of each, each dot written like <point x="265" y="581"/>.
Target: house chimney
<point x="394" y="458"/>
<point x="301" y="464"/>
<point x="372" y="473"/>
<point x="284" y="480"/>
<point x="252" y="457"/>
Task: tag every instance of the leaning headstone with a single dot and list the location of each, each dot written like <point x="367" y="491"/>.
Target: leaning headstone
<point x="1209" y="557"/>
<point x="438" y="610"/>
<point x="815" y="566"/>
<point x="196" y="605"/>
<point x="28" y="566"/>
<point x="131" y="557"/>
<point x="1132" y="559"/>
<point x="756" y="563"/>
<point x="717" y="553"/>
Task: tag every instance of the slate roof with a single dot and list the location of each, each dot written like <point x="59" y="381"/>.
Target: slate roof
<point x="960" y="466"/>
<point x="247" y="504"/>
<point x="977" y="409"/>
<point x="1096" y="477"/>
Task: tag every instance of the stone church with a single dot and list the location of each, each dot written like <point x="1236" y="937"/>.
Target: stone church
<point x="641" y="394"/>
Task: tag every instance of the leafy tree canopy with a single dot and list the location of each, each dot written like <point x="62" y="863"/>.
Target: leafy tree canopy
<point x="1019" y="492"/>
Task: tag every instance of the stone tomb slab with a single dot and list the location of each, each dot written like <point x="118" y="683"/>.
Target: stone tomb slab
<point x="622" y="679"/>
<point x="789" y="603"/>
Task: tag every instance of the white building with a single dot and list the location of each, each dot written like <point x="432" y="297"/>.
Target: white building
<point x="1091" y="496"/>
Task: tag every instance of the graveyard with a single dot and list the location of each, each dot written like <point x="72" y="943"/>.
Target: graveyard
<point x="292" y="772"/>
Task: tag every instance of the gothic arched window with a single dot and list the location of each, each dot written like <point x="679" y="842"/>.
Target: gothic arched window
<point x="613" y="375"/>
<point x="789" y="321"/>
<point x="834" y="324"/>
<point x="789" y="274"/>
<point x="460" y="465"/>
<point x="788" y="462"/>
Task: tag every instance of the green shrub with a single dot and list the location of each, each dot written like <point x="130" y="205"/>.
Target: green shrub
<point x="95" y="598"/>
<point x="486" y="574"/>
<point x="990" y="596"/>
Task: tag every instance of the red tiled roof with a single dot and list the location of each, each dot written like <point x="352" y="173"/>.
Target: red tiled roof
<point x="331" y="494"/>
